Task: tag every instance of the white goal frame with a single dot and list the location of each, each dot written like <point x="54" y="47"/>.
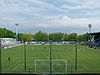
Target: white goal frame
<point x="64" y="60"/>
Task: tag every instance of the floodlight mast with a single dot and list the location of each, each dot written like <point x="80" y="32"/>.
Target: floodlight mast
<point x="89" y="25"/>
<point x="16" y="31"/>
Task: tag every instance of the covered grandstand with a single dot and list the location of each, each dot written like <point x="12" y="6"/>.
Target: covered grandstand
<point x="8" y="42"/>
<point x="94" y="40"/>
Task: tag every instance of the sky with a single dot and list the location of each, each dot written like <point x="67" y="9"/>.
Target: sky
<point x="66" y="16"/>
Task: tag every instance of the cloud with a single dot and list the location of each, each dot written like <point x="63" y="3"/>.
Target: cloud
<point x="86" y="7"/>
<point x="58" y="15"/>
<point x="79" y="21"/>
<point x="66" y="22"/>
<point x="83" y="4"/>
<point x="60" y="23"/>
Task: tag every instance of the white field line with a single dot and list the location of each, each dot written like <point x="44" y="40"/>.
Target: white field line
<point x="85" y="67"/>
<point x="16" y="67"/>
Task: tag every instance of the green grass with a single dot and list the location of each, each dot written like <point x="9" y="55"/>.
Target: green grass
<point x="88" y="59"/>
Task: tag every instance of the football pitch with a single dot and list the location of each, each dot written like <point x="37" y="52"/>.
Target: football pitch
<point x="63" y="59"/>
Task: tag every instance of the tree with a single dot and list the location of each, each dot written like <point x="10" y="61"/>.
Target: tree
<point x="51" y="36"/>
<point x="41" y="36"/>
<point x="83" y="37"/>
<point x="20" y="36"/>
<point x="66" y="38"/>
<point x="71" y="37"/>
<point x="4" y="33"/>
<point x="56" y="36"/>
<point x="27" y="37"/>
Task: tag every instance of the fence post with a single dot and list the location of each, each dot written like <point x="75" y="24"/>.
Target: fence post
<point x="0" y="58"/>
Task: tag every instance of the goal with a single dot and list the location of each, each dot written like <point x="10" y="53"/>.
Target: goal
<point x="57" y="65"/>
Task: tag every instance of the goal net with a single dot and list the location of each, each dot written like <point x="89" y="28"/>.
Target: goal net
<point x="57" y="65"/>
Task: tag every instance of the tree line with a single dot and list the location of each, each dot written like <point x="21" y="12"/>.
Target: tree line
<point x="5" y="33"/>
<point x="43" y="36"/>
<point x="59" y="36"/>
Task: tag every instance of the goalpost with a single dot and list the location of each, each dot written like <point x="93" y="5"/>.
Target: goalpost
<point x="58" y="65"/>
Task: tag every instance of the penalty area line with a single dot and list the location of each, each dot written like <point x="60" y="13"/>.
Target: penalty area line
<point x="85" y="67"/>
<point x="16" y="67"/>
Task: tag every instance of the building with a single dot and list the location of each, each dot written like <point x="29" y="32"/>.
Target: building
<point x="94" y="39"/>
<point x="7" y="42"/>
